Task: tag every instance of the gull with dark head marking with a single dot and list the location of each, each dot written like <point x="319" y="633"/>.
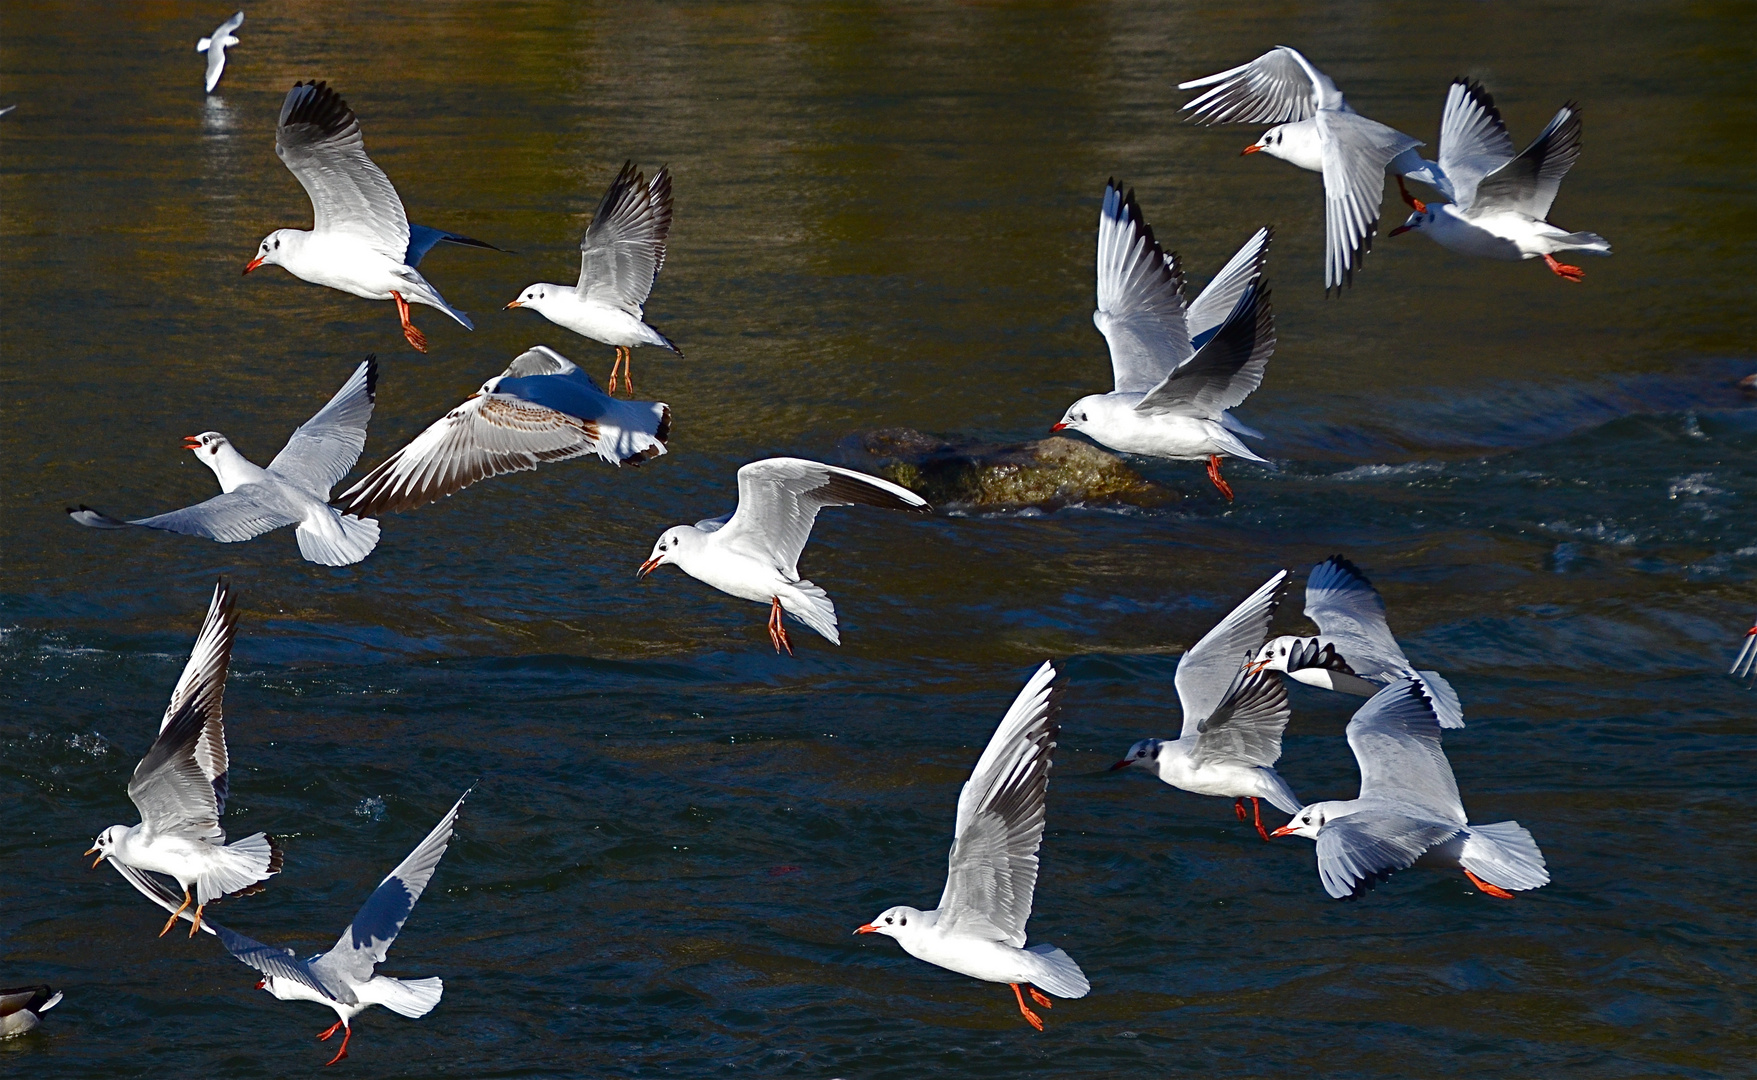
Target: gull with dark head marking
<point x="978" y="929"/>
<point x="753" y="552"/>
<point x="360" y="240"/>
<point x="181" y="786"/>
<point x="1355" y="651"/>
<point x="293" y="490"/>
<point x="620" y="259"/>
<point x="1233" y="717"/>
<point x="1177" y="372"/>
<point x="215" y="47"/>
<point x="540" y="409"/>
<point x="345" y="978"/>
<point x="22" y="1007"/>
<point x="1408" y="812"/>
<point x="1500" y="199"/>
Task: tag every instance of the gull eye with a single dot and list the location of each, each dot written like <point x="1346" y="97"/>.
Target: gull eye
<point x="888" y="920"/>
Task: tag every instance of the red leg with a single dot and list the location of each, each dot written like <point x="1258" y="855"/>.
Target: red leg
<point x="1030" y="1017"/>
<point x="347" y="1033"/>
<point x="323" y="1036"/>
<point x="1492" y="890"/>
<point x="1257" y="815"/>
<point x="1214" y="475"/>
<point x="1040" y="998"/>
<point x="778" y="632"/>
<point x="1414" y="203"/>
<point x="1238" y="807"/>
<point x="416" y="337"/>
<point x="1563" y="270"/>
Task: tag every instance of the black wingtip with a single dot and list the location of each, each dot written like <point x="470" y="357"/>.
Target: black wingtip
<point x="315" y="103"/>
<point x="371" y="363"/>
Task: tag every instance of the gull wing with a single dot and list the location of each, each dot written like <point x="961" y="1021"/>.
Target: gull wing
<point x="271" y="960"/>
<point x="1245" y="728"/>
<point x="1275" y="88"/>
<point x="423" y="239"/>
<point x="1227" y="368"/>
<point x="149" y="887"/>
<point x="202" y="687"/>
<point x="1528" y="184"/>
<point x="624" y="247"/>
<point x="1395" y="737"/>
<point x="326" y="446"/>
<point x="1473" y="139"/>
<point x="1351" y="613"/>
<point x="1140" y="297"/>
<point x="1746" y="662"/>
<point x="1208" y="310"/>
<point x="1359" y="851"/>
<point x="318" y="138"/>
<point x="542" y="360"/>
<point x="992" y="870"/>
<point x="169" y="788"/>
<point x="779" y="498"/>
<point x="237" y="515"/>
<point x="1354" y="153"/>
<point x="366" y="941"/>
<point x="1208" y="672"/>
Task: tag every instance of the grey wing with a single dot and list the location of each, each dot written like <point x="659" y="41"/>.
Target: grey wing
<point x="318" y="138"/>
<point x="202" y="687"/>
<point x="326" y="446"/>
<point x="270" y="960"/>
<point x="149" y="887"/>
<point x="1207" y="671"/>
<point x="1395" y="737"/>
<point x="715" y="524"/>
<point x="1218" y="300"/>
<point x="992" y="870"/>
<point x="423" y="239"/>
<point x="1227" y="368"/>
<point x="240" y="514"/>
<point x="1354" y="154"/>
<point x="1528" y="184"/>
<point x="366" y="941"/>
<point x="1245" y="728"/>
<point x="1279" y="86"/>
<point x="1473" y="140"/>
<point x="226" y="28"/>
<point x="1359" y="851"/>
<point x="169" y="788"/>
<point x="624" y="247"/>
<point x="779" y="498"/>
<point x="1140" y="297"/>
<point x="1350" y="612"/>
<point x="542" y="360"/>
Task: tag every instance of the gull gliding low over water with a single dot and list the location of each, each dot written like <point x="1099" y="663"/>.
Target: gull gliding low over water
<point x="978" y="929"/>
<point x="293" y="490"/>
<point x="753" y="552"/>
<point x="215" y="47"/>
<point x="1233" y="718"/>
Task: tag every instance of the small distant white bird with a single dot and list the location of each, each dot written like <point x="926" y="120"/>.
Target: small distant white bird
<point x="1745" y="664"/>
<point x="293" y="490"/>
<point x="345" y="977"/>
<point x="181" y="786"/>
<point x="360" y="239"/>
<point x="1233" y="718"/>
<point x="1177" y="373"/>
<point x="1355" y="651"/>
<point x="620" y="259"/>
<point x="215" y="47"/>
<point x="22" y="1006"/>
<point x="541" y="408"/>
<point x="1408" y="812"/>
<point x="978" y="929"/>
<point x="1316" y="129"/>
<point x="753" y="552"/>
<point x="1499" y="200"/>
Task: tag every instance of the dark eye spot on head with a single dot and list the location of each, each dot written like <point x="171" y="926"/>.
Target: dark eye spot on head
<point x="277" y="243"/>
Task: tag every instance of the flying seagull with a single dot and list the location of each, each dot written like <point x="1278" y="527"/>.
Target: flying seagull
<point x="215" y="47"/>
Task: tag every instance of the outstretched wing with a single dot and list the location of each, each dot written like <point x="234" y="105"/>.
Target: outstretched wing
<point x="169" y="788"/>
<point x="423" y="239"/>
<point x="1395" y="737"/>
<point x="1225" y="370"/>
<point x="1359" y="851"/>
<point x="149" y="887"/>
<point x="1245" y="728"/>
<point x="238" y="515"/>
<point x="624" y="247"/>
<point x="1354" y="152"/>
<point x="318" y="138"/>
<point x="1350" y="612"/>
<point x="1208" y="672"/>
<point x="1528" y="184"/>
<point x="270" y="960"/>
<point x="326" y="446"/>
<point x="778" y="500"/>
<point x="202" y="688"/>
<point x="1220" y="298"/>
<point x="1473" y="140"/>
<point x="1140" y="297"/>
<point x="1275" y="88"/>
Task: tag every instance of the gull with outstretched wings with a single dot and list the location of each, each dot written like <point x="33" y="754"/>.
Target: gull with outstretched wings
<point x="215" y="47"/>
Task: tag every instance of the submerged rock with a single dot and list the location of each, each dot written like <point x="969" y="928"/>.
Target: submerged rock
<point x="1047" y="474"/>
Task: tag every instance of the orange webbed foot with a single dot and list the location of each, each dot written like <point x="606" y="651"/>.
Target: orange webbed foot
<point x="1492" y="890"/>
<point x="1219" y="481"/>
<point x="1025" y="1010"/>
<point x="1563" y="270"/>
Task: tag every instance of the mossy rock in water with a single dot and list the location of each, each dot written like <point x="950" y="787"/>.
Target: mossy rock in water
<point x="1048" y="473"/>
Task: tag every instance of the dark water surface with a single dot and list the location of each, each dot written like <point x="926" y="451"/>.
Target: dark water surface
<point x="884" y="217"/>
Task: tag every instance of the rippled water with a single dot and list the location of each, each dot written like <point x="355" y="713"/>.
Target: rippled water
<point x="884" y="217"/>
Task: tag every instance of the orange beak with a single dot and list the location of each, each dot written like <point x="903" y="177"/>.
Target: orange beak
<point x="513" y="304"/>
<point x="261" y="984"/>
<point x="99" y="859"/>
<point x="1123" y="764"/>
<point x="1251" y="149"/>
<point x="253" y="264"/>
<point x="1285" y="830"/>
<point x="1053" y="428"/>
<point x="646" y="568"/>
<point x="1255" y="666"/>
<point x="191" y="442"/>
<point x="867" y="929"/>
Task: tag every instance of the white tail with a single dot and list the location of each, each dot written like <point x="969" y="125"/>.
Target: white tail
<point x="413" y="998"/>
<point x="1057" y="973"/>
<point x="811" y="606"/>
<point x="1283" y="797"/>
<point x="201" y="46"/>
<point x="236" y="867"/>
<point x="1504" y="854"/>
<point x="338" y="539"/>
<point x="1585" y="241"/>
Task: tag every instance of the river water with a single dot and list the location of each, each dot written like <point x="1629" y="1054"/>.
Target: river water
<point x="884" y="217"/>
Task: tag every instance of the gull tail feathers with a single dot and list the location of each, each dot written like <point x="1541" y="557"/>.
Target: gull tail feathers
<point x="239" y="868"/>
<point x="634" y="431"/>
<point x="1447" y="707"/>
<point x="1057" y="973"/>
<point x="337" y="539"/>
<point x="1504" y="854"/>
<point x="1281" y="793"/>
<point x="413" y="998"/>
<point x="202" y="45"/>
<point x="1591" y="243"/>
<point x="811" y="606"/>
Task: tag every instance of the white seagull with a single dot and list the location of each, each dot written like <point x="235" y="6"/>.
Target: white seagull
<point x="22" y="1006"/>
<point x="753" y="552"/>
<point x="1409" y="812"/>
<point x="1355" y="651"/>
<point x="1316" y="129"/>
<point x="978" y="929"/>
<point x="344" y="978"/>
<point x="1499" y="199"/>
<point x="180" y="789"/>
<point x="1745" y="664"/>
<point x="541" y="408"/>
<point x="1233" y="718"/>
<point x="360" y="240"/>
<point x="1177" y="373"/>
<point x="215" y="47"/>
<point x="293" y="490"/>
<point x="620" y="259"/>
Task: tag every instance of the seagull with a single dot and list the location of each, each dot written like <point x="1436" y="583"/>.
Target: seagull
<point x="360" y="241"/>
<point x="1177" y="373"/>
<point x="620" y="259"/>
<point x="293" y="490"/>
<point x="753" y="552"/>
<point x="978" y="929"/>
<point x="344" y="977"/>
<point x="181" y="786"/>
<point x="1409" y="812"/>
<point x="215" y="47"/>
<point x="1499" y="200"/>
<point x="1317" y="130"/>
<point x="22" y="1007"/>
<point x="1233" y="718"/>
<point x="1745" y="664"/>
<point x="541" y="408"/>
<point x="1354" y="651"/>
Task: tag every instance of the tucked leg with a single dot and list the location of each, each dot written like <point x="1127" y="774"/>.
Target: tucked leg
<point x="323" y="1036"/>
<point x="347" y="1033"/>
<point x="172" y="921"/>
<point x="416" y="337"/>
<point x="1030" y="1017"/>
<point x="1238" y="807"/>
<point x="1563" y="270"/>
<point x="777" y="631"/>
<point x="1414" y="203"/>
<point x="1039" y="997"/>
<point x="1214" y="475"/>
<point x="1492" y="890"/>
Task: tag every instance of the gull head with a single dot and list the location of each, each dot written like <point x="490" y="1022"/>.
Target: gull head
<point x="896" y="922"/>
<point x="534" y="297"/>
<point x="1080" y="413"/>
<point x="1300" y="658"/>
<point x="275" y="246"/>
<point x="105" y="845"/>
<point x="673" y="542"/>
<point x="1145" y="750"/>
<point x="1297" y="143"/>
<point x="211" y="449"/>
<point x="267" y="982"/>
<point x="1421" y="219"/>
<point x="1306" y="823"/>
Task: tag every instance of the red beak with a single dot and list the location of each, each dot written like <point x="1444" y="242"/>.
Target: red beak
<point x="191" y="442"/>
<point x="261" y="983"/>
<point x="1399" y="229"/>
<point x="867" y="929"/>
<point x="1057" y="427"/>
<point x="1123" y="764"/>
<point x="253" y="264"/>
<point x="1285" y="830"/>
<point x="1251" y="149"/>
<point x="646" y="568"/>
<point x="512" y="304"/>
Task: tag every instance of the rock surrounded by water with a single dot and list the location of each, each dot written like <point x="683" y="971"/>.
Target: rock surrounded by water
<point x="1046" y="473"/>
